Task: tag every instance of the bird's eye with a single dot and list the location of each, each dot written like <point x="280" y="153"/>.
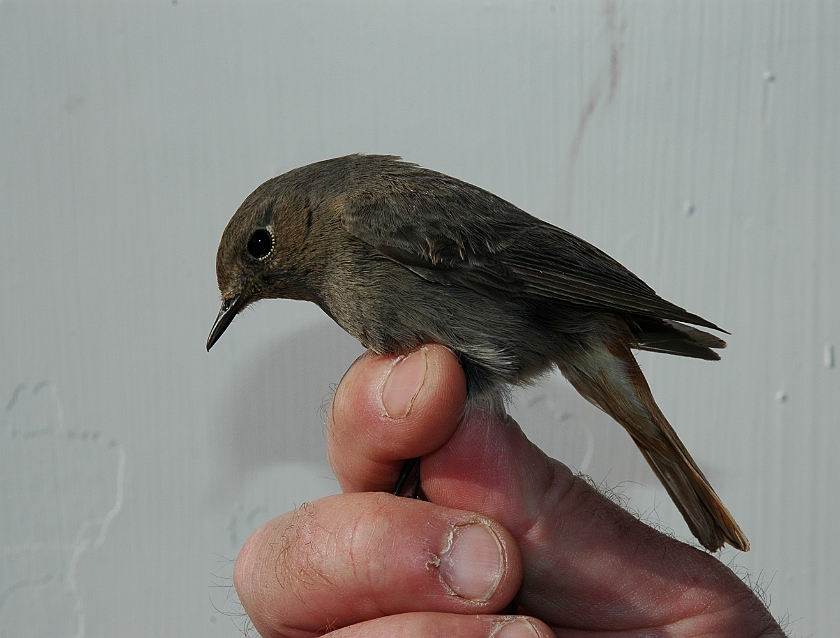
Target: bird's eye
<point x="260" y="244"/>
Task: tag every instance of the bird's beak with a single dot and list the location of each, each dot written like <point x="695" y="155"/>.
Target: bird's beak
<point x="230" y="308"/>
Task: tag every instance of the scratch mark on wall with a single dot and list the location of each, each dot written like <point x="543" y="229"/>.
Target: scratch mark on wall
<point x="21" y="584"/>
<point x="616" y="46"/>
<point x="73" y="103"/>
<point x="15" y="394"/>
<point x="70" y="488"/>
<point x="611" y="78"/>
<point x="769" y="79"/>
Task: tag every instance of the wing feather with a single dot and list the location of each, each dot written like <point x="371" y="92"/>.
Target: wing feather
<point x="453" y="233"/>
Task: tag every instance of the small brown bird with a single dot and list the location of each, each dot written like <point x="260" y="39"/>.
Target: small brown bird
<point x="399" y="255"/>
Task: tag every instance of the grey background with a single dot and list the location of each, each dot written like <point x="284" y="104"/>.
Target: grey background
<point x="695" y="142"/>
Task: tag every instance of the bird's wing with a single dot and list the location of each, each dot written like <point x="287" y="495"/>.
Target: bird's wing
<point x="457" y="234"/>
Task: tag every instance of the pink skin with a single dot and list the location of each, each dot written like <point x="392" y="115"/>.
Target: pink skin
<point x="506" y="528"/>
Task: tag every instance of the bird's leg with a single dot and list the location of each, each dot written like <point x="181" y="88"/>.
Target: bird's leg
<point x="416" y="491"/>
<point x="411" y="465"/>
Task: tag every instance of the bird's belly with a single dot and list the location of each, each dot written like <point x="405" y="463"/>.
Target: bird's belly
<point x="498" y="340"/>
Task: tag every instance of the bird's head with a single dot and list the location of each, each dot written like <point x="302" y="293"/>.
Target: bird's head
<point x="260" y="252"/>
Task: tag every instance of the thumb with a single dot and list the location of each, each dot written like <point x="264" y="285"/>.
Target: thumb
<point x="489" y="465"/>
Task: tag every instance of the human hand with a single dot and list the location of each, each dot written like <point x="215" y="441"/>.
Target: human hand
<point x="506" y="531"/>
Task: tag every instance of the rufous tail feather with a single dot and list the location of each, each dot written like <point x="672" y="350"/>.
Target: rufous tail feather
<point x="609" y="376"/>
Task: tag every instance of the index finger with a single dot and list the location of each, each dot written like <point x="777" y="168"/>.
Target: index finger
<point x="415" y="407"/>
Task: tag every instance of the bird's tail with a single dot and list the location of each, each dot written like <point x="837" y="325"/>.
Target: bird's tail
<point x="608" y="376"/>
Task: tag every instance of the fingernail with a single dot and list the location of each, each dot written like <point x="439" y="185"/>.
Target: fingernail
<point x="517" y="628"/>
<point x="405" y="378"/>
<point x="473" y="563"/>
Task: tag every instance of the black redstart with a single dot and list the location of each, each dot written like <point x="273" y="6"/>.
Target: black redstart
<point x="399" y="255"/>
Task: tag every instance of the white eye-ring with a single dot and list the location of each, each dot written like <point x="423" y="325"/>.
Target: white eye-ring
<point x="261" y="243"/>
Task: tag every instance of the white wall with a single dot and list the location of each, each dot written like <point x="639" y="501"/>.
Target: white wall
<point x="695" y="142"/>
